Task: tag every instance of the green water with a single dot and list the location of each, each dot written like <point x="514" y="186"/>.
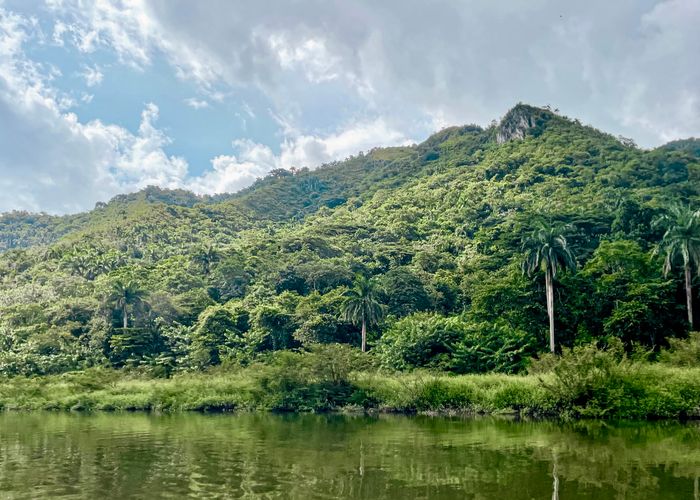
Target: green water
<point x="320" y="456"/>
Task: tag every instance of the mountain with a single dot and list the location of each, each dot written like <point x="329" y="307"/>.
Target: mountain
<point x="438" y="225"/>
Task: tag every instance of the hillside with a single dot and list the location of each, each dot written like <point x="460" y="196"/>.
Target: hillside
<point x="279" y="197"/>
<point x="437" y="226"/>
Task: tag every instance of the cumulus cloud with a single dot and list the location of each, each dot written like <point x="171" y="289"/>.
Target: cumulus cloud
<point x="311" y="151"/>
<point x="124" y="26"/>
<point x="630" y="67"/>
<point x="233" y="172"/>
<point x="50" y="160"/>
<point x="310" y="56"/>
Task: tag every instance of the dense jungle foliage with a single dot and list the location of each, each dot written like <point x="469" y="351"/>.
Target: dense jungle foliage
<point x="421" y="247"/>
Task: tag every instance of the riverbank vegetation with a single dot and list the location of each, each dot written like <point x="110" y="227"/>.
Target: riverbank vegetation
<point x="583" y="382"/>
<point x="459" y="264"/>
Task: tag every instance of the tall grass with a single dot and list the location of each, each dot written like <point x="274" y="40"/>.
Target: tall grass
<point x="586" y="382"/>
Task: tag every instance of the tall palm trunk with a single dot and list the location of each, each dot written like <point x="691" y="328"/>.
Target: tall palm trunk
<point x="549" y="285"/>
<point x="126" y="317"/>
<point x="364" y="334"/>
<point x="689" y="293"/>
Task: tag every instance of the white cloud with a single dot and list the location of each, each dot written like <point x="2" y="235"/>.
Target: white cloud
<point x="312" y="151"/>
<point x="50" y="160"/>
<point x="195" y="103"/>
<point x="93" y="75"/>
<point x="124" y="26"/>
<point x="141" y="160"/>
<point x="230" y="173"/>
<point x="310" y="56"/>
<point x="59" y="30"/>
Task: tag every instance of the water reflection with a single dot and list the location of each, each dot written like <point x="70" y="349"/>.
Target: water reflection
<point x="322" y="456"/>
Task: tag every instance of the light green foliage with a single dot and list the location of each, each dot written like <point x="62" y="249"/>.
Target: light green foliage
<point x="683" y="352"/>
<point x="217" y="330"/>
<point x="604" y="383"/>
<point x="319" y="319"/>
<point x="633" y="301"/>
<point x="585" y="382"/>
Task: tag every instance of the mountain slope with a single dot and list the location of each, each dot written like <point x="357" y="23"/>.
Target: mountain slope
<point x="281" y="196"/>
<point x="438" y="225"/>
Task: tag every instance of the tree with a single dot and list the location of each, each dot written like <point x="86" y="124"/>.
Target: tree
<point x="405" y="292"/>
<point x="124" y="294"/>
<point x="361" y="306"/>
<point x="455" y="343"/>
<point x="218" y="328"/>
<point x="547" y="250"/>
<point x="206" y="256"/>
<point x="682" y="238"/>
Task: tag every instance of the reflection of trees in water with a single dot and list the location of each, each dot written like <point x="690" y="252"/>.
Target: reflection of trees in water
<point x="290" y="456"/>
<point x="629" y="460"/>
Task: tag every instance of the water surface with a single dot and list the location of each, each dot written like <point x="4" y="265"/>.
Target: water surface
<point x="333" y="456"/>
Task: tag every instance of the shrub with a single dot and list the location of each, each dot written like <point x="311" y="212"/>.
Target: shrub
<point x="683" y="352"/>
<point x="587" y="381"/>
<point x="454" y="344"/>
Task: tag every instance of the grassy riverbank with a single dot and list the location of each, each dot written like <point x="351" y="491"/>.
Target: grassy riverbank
<point x="593" y="384"/>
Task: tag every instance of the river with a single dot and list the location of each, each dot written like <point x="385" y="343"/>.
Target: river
<point x="60" y="455"/>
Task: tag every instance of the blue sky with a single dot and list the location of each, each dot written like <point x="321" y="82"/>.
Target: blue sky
<point x="108" y="96"/>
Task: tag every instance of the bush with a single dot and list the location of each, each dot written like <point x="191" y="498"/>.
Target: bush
<point x="683" y="352"/>
<point x="454" y="344"/>
<point x="587" y="381"/>
<point x="308" y="381"/>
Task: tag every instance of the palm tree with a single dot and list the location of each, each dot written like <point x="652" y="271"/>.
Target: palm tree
<point x="124" y="294"/>
<point x="682" y="238"/>
<point x="361" y="306"/>
<point x="547" y="250"/>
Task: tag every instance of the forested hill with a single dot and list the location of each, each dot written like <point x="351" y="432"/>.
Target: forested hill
<point x="280" y="197"/>
<point x="437" y="226"/>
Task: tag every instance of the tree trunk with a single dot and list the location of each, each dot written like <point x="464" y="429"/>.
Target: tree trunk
<point x="689" y="294"/>
<point x="126" y="317"/>
<point x="550" y="306"/>
<point x="364" y="335"/>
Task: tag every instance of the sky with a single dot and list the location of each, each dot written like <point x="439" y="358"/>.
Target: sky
<point x="101" y="97"/>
